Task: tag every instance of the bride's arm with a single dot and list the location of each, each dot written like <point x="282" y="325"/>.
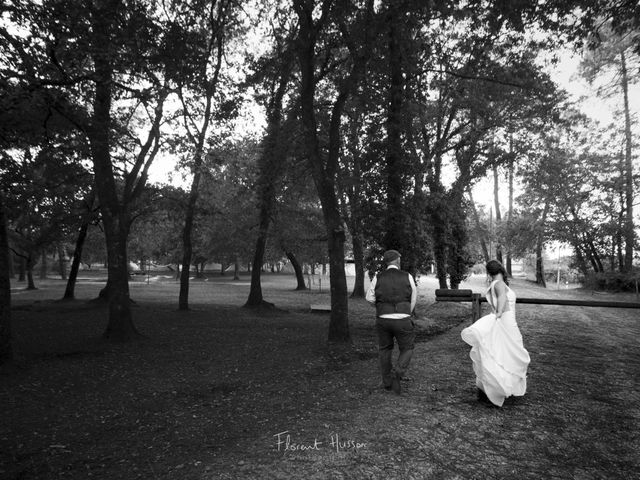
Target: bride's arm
<point x="501" y="298"/>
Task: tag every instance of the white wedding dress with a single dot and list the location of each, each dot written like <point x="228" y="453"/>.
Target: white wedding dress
<point x="499" y="358"/>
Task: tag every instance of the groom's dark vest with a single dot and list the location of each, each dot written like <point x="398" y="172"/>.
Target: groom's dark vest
<point x="393" y="292"/>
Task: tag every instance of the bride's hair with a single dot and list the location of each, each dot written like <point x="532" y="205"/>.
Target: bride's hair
<point x="494" y="267"/>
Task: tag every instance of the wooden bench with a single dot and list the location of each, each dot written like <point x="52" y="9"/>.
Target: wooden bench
<point x="320" y="307"/>
<point x="449" y="295"/>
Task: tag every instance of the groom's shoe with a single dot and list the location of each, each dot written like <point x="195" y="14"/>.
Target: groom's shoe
<point x="395" y="383"/>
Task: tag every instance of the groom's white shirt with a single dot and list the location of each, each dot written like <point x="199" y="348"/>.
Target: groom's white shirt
<point x="371" y="295"/>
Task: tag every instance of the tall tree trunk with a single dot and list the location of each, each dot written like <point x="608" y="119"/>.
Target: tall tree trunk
<point x="44" y="265"/>
<point x="439" y="230"/>
<point x="496" y="203"/>
<point x="617" y="238"/>
<point x="187" y="244"/>
<point x="540" y="280"/>
<point x="61" y="261"/>
<point x="11" y="268"/>
<point x="479" y="231"/>
<point x="6" y="352"/>
<point x="394" y="225"/>
<point x="236" y="268"/>
<point x="358" y="261"/>
<point x="580" y="260"/>
<point x="271" y="164"/>
<point x="595" y="254"/>
<point x="324" y="172"/>
<point x="22" y="268"/>
<point x="115" y="216"/>
<point x="255" y="292"/>
<point x="297" y="270"/>
<point x="440" y="253"/>
<point x="69" y="292"/>
<point x="217" y="28"/>
<point x="456" y="265"/>
<point x="31" y="260"/>
<point x="353" y="215"/>
<point x="629" y="233"/>
<point x="510" y="211"/>
<point x="618" y="253"/>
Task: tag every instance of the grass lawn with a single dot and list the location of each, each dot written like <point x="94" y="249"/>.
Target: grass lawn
<point x="224" y="392"/>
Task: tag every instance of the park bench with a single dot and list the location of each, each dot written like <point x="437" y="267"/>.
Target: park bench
<point x="454" y="295"/>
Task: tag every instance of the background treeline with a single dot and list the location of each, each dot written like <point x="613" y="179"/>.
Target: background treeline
<point x="312" y="130"/>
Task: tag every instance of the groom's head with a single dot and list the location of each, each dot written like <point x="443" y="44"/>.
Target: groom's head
<point x="392" y="257"/>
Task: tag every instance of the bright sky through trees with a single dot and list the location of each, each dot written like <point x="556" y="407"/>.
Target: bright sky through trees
<point x="565" y="74"/>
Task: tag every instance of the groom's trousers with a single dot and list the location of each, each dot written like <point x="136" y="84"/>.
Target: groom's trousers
<point x="402" y="330"/>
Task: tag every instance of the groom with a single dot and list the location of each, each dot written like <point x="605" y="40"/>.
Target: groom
<point x="394" y="294"/>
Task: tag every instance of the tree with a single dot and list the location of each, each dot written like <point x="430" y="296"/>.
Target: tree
<point x="6" y="352"/>
<point x="46" y="189"/>
<point x="103" y="63"/>
<point x="323" y="159"/>
<point x="209" y="27"/>
<point x="272" y="162"/>
<point x="86" y="220"/>
<point x="614" y="55"/>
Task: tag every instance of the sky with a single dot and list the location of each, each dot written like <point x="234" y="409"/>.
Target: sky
<point x="565" y="74"/>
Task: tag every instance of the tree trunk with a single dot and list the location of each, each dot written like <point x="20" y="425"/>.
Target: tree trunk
<point x="6" y="352"/>
<point x="440" y="255"/>
<point x="324" y="172"/>
<point x="510" y="211"/>
<point x="11" y="268"/>
<point x="456" y="261"/>
<point x="339" y="323"/>
<point x="629" y="231"/>
<point x="22" y="269"/>
<point x="353" y="211"/>
<point x="358" y="260"/>
<point x="595" y="255"/>
<point x="255" y="292"/>
<point x="44" y="265"/>
<point x="114" y="215"/>
<point x="540" y="280"/>
<point x="187" y="244"/>
<point x="297" y="270"/>
<point x="270" y="171"/>
<point x="479" y="232"/>
<point x="120" y="325"/>
<point x="61" y="261"/>
<point x="580" y="261"/>
<point x="30" y="264"/>
<point x="394" y="234"/>
<point x="236" y="269"/>
<point x="618" y="253"/>
<point x="69" y="293"/>
<point x="496" y="202"/>
<point x="440" y="227"/>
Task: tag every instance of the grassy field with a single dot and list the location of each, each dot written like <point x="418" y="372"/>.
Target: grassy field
<point x="224" y="392"/>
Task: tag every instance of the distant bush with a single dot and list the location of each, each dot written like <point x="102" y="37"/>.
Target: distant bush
<point x="478" y="269"/>
<point x="612" y="281"/>
<point x="567" y="274"/>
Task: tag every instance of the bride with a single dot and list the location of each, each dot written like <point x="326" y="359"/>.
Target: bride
<point x="499" y="358"/>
